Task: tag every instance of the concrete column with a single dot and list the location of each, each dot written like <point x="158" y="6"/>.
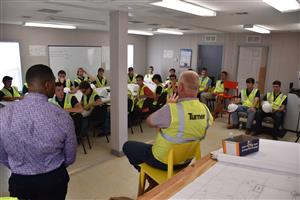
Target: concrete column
<point x="118" y="83"/>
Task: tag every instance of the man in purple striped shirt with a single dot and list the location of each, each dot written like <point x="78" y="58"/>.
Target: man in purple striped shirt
<point x="37" y="140"/>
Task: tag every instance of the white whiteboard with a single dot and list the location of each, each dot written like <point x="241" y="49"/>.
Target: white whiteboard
<point x="10" y="63"/>
<point x="70" y="58"/>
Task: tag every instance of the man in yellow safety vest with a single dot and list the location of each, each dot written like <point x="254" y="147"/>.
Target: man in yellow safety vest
<point x="100" y="80"/>
<point x="182" y="120"/>
<point x="131" y="76"/>
<point x="249" y="102"/>
<point x="8" y="92"/>
<point x="204" y="85"/>
<point x="278" y="102"/>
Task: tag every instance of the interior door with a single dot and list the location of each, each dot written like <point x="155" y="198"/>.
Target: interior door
<point x="252" y="63"/>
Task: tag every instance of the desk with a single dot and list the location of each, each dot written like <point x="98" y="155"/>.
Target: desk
<point x="250" y="177"/>
<point x="180" y="180"/>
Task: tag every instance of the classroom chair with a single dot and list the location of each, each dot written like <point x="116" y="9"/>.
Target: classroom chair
<point x="178" y="154"/>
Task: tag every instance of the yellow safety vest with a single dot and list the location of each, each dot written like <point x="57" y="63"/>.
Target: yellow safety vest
<point x="91" y="100"/>
<point x="162" y="90"/>
<point x="68" y="82"/>
<point x="67" y="102"/>
<point x="133" y="79"/>
<point x="278" y="101"/>
<point x="149" y="76"/>
<point x="248" y="100"/>
<point x="219" y="87"/>
<point x="140" y="102"/>
<point x="170" y="90"/>
<point x="203" y="83"/>
<point x="78" y="81"/>
<point x="26" y="85"/>
<point x="7" y="93"/>
<point x="190" y="120"/>
<point x="131" y="97"/>
<point x="101" y="83"/>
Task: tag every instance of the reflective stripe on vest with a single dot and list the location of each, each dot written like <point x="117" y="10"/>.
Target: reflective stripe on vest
<point x="140" y="102"/>
<point x="248" y="100"/>
<point x="67" y="102"/>
<point x="78" y="80"/>
<point x="278" y="101"/>
<point x="133" y="80"/>
<point x="189" y="122"/>
<point x="203" y="83"/>
<point x="101" y="83"/>
<point x="91" y="100"/>
<point x="7" y="93"/>
<point x="219" y="87"/>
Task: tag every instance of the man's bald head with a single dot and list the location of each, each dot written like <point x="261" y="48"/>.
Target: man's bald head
<point x="190" y="82"/>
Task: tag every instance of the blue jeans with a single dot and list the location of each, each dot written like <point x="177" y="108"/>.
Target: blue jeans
<point x="250" y="116"/>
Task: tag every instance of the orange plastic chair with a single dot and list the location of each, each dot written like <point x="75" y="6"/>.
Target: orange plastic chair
<point x="229" y="86"/>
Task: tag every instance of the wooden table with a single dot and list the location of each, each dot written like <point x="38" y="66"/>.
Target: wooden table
<point x="180" y="180"/>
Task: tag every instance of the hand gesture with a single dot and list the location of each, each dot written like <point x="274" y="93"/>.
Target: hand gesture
<point x="172" y="99"/>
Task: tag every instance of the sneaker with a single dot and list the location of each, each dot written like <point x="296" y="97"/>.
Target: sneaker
<point x="232" y="126"/>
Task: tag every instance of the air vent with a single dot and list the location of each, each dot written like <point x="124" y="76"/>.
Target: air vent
<point x="26" y="17"/>
<point x="210" y="38"/>
<point x="185" y="29"/>
<point x="154" y="24"/>
<point x="51" y="11"/>
<point x="241" y="13"/>
<point x="171" y="27"/>
<point x="253" y="39"/>
<point x="135" y="22"/>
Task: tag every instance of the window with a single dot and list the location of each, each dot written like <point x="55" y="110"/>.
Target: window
<point x="10" y="63"/>
<point x="130" y="55"/>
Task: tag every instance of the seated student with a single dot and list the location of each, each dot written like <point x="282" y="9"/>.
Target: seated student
<point x="144" y="93"/>
<point x="165" y="120"/>
<point x="278" y="102"/>
<point x="8" y="92"/>
<point x="148" y="77"/>
<point x="82" y="75"/>
<point x="172" y="71"/>
<point x="204" y="85"/>
<point x="219" y="89"/>
<point x="62" y="79"/>
<point x="101" y="80"/>
<point x="91" y="101"/>
<point x="158" y="91"/>
<point x="131" y="76"/>
<point x="70" y="104"/>
<point x="25" y="89"/>
<point x="249" y="100"/>
<point x="172" y="86"/>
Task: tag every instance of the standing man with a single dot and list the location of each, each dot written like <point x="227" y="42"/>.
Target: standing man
<point x="183" y="119"/>
<point x="8" y="92"/>
<point x="37" y="141"/>
<point x="101" y="80"/>
<point x="249" y="100"/>
<point x="278" y="102"/>
<point x="204" y="85"/>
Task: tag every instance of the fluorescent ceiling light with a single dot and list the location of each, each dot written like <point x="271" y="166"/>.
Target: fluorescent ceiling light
<point x="284" y="5"/>
<point x="257" y="29"/>
<point x="185" y="7"/>
<point x="137" y="32"/>
<point x="168" y="31"/>
<point x="47" y="25"/>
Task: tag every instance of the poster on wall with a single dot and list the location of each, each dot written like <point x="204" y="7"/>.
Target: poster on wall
<point x="185" y="58"/>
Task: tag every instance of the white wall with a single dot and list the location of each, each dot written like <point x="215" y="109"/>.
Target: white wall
<point x="44" y="36"/>
<point x="282" y="64"/>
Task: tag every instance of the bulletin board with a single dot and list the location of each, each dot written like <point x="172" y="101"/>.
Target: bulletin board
<point x="185" y="58"/>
